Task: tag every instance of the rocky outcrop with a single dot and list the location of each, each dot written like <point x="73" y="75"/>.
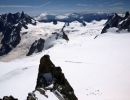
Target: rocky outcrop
<point x="62" y="34"/>
<point x="125" y="24"/>
<point x="10" y="27"/>
<point x="9" y="98"/>
<point x="49" y="74"/>
<point x="55" y="22"/>
<point x="36" y="47"/>
<point x="118" y="22"/>
<point x="31" y="96"/>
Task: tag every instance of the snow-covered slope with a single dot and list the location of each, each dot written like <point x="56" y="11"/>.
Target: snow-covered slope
<point x="28" y="36"/>
<point x="44" y="31"/>
<point x="97" y="69"/>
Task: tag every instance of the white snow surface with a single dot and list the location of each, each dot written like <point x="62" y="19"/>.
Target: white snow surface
<point x="97" y="69"/>
<point x="45" y="30"/>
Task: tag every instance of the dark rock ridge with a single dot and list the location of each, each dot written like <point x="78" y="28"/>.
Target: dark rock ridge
<point x="10" y="27"/>
<point x="36" y="47"/>
<point x="118" y="22"/>
<point x="9" y="98"/>
<point x="62" y="34"/>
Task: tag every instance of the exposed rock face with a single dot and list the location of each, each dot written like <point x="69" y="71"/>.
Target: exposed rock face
<point x="126" y="15"/>
<point x="125" y="24"/>
<point x="9" y="98"/>
<point x="62" y="34"/>
<point x="31" y="96"/>
<point x="10" y="27"/>
<point x="36" y="47"/>
<point x="55" y="22"/>
<point x="118" y="22"/>
<point x="49" y="74"/>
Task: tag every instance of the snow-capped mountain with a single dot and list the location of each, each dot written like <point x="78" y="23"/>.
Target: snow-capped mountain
<point x="17" y="34"/>
<point x="45" y="17"/>
<point x="97" y="69"/>
<point x="19" y="28"/>
<point x="10" y="28"/>
<point x="21" y="35"/>
<point x="119" y="22"/>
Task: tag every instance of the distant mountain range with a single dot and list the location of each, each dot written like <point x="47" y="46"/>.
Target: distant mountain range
<point x="44" y="17"/>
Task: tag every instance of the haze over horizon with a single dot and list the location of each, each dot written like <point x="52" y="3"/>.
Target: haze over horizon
<point x="35" y="7"/>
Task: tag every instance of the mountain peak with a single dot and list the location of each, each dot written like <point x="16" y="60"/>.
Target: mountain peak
<point x="11" y="25"/>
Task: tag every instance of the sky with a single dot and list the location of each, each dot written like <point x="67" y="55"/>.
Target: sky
<point x="36" y="7"/>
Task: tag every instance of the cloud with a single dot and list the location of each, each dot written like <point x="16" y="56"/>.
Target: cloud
<point x="117" y="4"/>
<point x="25" y="6"/>
<point x="45" y="4"/>
<point x="82" y="5"/>
<point x="15" y="6"/>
